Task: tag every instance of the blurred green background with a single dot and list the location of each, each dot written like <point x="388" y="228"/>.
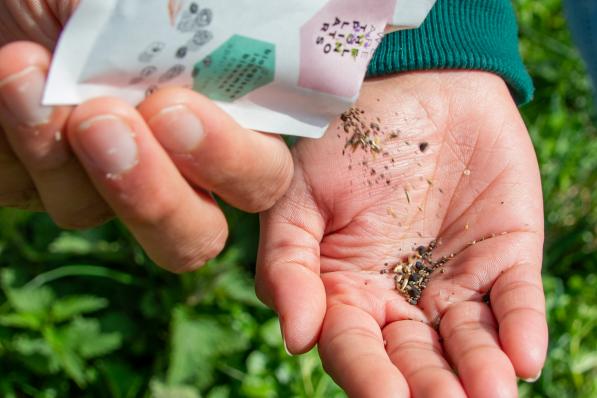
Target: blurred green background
<point x="86" y="314"/>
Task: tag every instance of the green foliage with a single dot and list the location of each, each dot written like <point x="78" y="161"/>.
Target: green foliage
<point x="90" y="315"/>
<point x="48" y="335"/>
<point x="561" y="121"/>
<point x="86" y="314"/>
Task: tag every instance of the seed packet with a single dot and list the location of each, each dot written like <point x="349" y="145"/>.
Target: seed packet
<point x="409" y="14"/>
<point x="287" y="66"/>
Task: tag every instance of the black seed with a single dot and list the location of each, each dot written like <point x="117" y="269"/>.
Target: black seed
<point x="416" y="292"/>
<point x="194" y="8"/>
<point x="414" y="278"/>
<point x="182" y="52"/>
<point x="423" y="146"/>
<point x="419" y="266"/>
<point x="421" y="250"/>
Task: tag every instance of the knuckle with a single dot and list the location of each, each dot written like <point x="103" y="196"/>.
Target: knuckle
<point x="199" y="253"/>
<point x="161" y="207"/>
<point x="16" y="188"/>
<point x="264" y="195"/>
<point x="27" y="199"/>
<point x="85" y="217"/>
<point x="48" y="154"/>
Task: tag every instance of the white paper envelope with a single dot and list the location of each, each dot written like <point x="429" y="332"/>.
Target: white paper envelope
<point x="286" y="67"/>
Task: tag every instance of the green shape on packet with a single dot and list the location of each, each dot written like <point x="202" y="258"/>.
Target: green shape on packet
<point x="236" y="68"/>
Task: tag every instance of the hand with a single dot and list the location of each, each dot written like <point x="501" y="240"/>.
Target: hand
<point x="461" y="170"/>
<point x="152" y="167"/>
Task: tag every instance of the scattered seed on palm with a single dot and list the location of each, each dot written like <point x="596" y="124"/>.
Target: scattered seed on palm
<point x="362" y="135"/>
<point x="412" y="273"/>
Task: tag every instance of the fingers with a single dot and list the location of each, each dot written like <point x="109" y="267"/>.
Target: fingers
<point x="36" y="135"/>
<point x="247" y="169"/>
<point x="16" y="188"/>
<point x="518" y="303"/>
<point x="471" y="341"/>
<point x="32" y="20"/>
<point x="417" y="352"/>
<point x="352" y="351"/>
<point x="179" y="228"/>
<point x="287" y="277"/>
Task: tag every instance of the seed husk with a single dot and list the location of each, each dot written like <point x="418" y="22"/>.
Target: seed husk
<point x="413" y="271"/>
<point x="360" y="135"/>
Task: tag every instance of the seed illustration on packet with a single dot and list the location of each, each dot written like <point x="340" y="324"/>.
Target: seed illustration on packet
<point x="285" y="67"/>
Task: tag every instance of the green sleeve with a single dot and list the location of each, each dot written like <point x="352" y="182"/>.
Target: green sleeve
<point x="460" y="34"/>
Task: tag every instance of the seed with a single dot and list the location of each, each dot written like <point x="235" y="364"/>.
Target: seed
<point x="423" y="146"/>
<point x="412" y="273"/>
<point x="360" y="133"/>
<point x="181" y="52"/>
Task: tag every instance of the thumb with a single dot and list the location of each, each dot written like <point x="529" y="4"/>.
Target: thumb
<point x="287" y="277"/>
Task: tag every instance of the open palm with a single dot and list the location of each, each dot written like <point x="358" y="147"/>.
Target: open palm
<point x="456" y="166"/>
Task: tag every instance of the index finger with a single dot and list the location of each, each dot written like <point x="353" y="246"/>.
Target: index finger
<point x="179" y="227"/>
<point x="248" y="169"/>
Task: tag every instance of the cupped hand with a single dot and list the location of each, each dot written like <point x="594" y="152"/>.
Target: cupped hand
<point x="153" y="167"/>
<point x="456" y="165"/>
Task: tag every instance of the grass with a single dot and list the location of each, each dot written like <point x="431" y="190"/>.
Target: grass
<point x="86" y="314"/>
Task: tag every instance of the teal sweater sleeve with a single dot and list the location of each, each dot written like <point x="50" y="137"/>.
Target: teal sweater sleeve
<point x="460" y="34"/>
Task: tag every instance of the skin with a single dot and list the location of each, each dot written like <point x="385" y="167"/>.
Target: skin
<point x="164" y="199"/>
<point x="324" y="243"/>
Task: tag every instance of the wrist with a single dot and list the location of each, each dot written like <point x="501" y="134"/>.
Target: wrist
<point x="471" y="35"/>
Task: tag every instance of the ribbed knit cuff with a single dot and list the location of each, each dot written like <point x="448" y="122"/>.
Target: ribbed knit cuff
<point x="460" y="34"/>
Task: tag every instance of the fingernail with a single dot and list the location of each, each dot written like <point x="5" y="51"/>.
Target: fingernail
<point x="22" y="95"/>
<point x="108" y="143"/>
<point x="533" y="379"/>
<point x="177" y="129"/>
<point x="284" y="340"/>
